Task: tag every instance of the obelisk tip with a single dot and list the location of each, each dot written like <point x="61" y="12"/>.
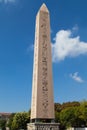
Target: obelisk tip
<point x="44" y="8"/>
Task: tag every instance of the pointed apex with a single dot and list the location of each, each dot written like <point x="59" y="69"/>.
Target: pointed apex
<point x="44" y="8"/>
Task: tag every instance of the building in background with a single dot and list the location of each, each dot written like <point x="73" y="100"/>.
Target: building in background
<point x="4" y="116"/>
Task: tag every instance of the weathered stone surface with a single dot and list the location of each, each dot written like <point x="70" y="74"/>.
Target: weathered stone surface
<point x="42" y="106"/>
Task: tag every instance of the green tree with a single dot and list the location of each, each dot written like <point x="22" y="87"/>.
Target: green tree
<point x="83" y="111"/>
<point x="70" y="104"/>
<point x="3" y="124"/>
<point x="10" y="120"/>
<point x="67" y="117"/>
<point x="57" y="107"/>
<point x="57" y="116"/>
<point x="20" y="121"/>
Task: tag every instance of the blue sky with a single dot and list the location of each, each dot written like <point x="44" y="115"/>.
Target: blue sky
<point x="69" y="45"/>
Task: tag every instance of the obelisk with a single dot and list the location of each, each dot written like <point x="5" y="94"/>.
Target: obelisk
<point x="42" y="104"/>
<point x="42" y="89"/>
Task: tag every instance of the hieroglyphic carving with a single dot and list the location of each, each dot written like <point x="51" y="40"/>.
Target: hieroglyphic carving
<point x="42" y="94"/>
<point x="44" y="65"/>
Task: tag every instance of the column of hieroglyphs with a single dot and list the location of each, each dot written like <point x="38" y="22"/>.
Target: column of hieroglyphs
<point x="42" y="106"/>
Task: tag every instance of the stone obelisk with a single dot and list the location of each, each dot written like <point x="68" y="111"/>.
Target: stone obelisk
<point x="42" y="104"/>
<point x="42" y="89"/>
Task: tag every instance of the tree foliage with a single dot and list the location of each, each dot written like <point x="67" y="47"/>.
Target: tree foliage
<point x="20" y="121"/>
<point x="71" y="114"/>
<point x="3" y="124"/>
<point x="9" y="122"/>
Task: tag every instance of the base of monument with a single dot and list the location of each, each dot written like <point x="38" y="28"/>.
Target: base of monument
<point x="43" y="126"/>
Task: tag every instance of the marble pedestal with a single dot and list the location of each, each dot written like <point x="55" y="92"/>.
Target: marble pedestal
<point x="43" y="126"/>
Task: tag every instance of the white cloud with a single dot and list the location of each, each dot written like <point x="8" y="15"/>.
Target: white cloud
<point x="67" y="46"/>
<point x="76" y="77"/>
<point x="75" y="28"/>
<point x="7" y="1"/>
